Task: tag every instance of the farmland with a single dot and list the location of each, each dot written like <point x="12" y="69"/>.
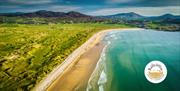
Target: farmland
<point x="29" y="52"/>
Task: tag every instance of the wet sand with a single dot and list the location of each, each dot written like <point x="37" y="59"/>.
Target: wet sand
<point x="74" y="72"/>
<point x="77" y="76"/>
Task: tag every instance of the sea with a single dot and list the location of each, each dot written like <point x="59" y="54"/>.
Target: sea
<point x="125" y="56"/>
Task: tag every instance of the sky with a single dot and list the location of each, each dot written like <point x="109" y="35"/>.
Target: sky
<point x="94" y="7"/>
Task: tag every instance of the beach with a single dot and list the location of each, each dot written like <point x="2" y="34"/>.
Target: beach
<point x="74" y="72"/>
<point x="77" y="76"/>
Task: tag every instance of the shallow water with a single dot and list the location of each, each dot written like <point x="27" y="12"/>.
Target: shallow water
<point x="122" y="63"/>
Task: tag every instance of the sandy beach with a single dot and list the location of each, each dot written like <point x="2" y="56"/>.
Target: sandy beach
<point x="77" y="76"/>
<point x="78" y="72"/>
<point x="74" y="72"/>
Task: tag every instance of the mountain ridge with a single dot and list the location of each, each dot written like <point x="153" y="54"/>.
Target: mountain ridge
<point x="74" y="14"/>
<point x="127" y="16"/>
<point x="134" y="16"/>
<point x="45" y="14"/>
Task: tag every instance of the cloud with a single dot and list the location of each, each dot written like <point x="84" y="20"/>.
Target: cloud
<point x="8" y="6"/>
<point x="29" y="1"/>
<point x="35" y="5"/>
<point x="56" y="8"/>
<point x="145" y="3"/>
<point x="63" y="8"/>
<point x="146" y="11"/>
<point x="93" y="7"/>
<point x="120" y="1"/>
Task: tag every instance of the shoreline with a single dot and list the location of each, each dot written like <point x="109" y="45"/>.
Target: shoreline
<point x="76" y="77"/>
<point x="66" y="67"/>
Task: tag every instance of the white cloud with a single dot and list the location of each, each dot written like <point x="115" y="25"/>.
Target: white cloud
<point x="146" y="11"/>
<point x="63" y="8"/>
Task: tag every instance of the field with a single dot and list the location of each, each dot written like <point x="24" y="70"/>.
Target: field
<point x="29" y="52"/>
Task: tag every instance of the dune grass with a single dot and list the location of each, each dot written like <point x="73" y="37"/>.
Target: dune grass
<point x="29" y="52"/>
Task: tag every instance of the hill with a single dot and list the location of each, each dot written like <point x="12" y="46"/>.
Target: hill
<point x="45" y="14"/>
<point x="124" y="16"/>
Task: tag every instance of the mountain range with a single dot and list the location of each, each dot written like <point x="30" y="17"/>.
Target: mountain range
<point x="135" y="16"/>
<point x="125" y="16"/>
<point x="45" y="14"/>
<point x="73" y="14"/>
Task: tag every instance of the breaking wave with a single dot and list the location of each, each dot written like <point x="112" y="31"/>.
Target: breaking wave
<point x="98" y="78"/>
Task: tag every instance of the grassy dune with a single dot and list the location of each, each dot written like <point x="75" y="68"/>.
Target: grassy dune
<point x="29" y="52"/>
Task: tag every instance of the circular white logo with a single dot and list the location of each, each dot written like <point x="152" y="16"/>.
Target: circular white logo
<point x="155" y="71"/>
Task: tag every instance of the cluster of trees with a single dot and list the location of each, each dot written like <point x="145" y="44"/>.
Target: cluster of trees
<point x="151" y="24"/>
<point x="54" y="20"/>
<point x="169" y="25"/>
<point x="163" y="26"/>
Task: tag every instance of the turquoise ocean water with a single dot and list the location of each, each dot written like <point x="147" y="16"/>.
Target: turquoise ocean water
<point x="122" y="63"/>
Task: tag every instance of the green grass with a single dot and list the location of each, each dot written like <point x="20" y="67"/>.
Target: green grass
<point x="29" y="52"/>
